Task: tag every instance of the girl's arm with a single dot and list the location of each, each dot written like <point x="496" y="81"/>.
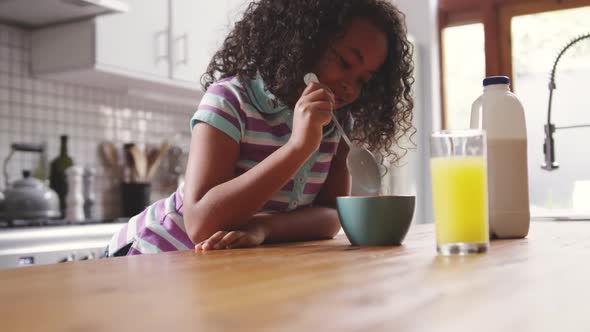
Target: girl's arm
<point x="215" y="200"/>
<point x="306" y="224"/>
<point x="312" y="223"/>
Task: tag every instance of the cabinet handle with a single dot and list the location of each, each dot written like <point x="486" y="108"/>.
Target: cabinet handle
<point x="161" y="55"/>
<point x="182" y="41"/>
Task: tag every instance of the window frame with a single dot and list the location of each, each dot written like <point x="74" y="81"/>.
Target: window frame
<point x="496" y="16"/>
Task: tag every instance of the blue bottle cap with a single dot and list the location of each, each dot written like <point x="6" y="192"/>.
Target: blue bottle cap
<point x="496" y="80"/>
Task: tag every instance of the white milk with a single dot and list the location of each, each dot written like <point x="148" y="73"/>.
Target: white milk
<point x="499" y="112"/>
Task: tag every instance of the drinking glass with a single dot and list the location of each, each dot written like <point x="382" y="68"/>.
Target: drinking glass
<point x="458" y="167"/>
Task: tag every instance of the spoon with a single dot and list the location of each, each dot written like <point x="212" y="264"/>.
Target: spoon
<point x="361" y="163"/>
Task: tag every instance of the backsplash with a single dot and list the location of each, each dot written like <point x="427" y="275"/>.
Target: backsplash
<point x="35" y="111"/>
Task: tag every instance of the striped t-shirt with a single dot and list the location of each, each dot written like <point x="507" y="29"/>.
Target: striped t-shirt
<point x="251" y="115"/>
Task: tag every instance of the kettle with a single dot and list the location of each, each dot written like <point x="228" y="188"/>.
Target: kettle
<point x="27" y="198"/>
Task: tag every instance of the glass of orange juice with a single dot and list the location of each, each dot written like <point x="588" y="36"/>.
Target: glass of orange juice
<point x="458" y="166"/>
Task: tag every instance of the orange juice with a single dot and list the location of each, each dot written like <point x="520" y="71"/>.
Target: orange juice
<point x="460" y="199"/>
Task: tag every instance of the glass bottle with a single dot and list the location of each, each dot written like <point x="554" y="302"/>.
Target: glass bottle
<point x="57" y="177"/>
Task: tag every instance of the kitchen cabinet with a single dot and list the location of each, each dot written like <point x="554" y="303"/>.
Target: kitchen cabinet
<point x="157" y="48"/>
<point x="196" y="37"/>
<point x="194" y="41"/>
<point x="135" y="41"/>
<point x="37" y="13"/>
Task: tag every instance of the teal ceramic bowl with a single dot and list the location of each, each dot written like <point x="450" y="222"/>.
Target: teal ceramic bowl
<point x="375" y="220"/>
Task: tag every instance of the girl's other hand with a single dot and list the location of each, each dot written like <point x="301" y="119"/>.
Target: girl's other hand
<point x="312" y="112"/>
<point x="247" y="236"/>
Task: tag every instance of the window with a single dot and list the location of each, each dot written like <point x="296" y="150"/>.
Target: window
<point x="536" y="41"/>
<point x="521" y="39"/>
<point x="464" y="68"/>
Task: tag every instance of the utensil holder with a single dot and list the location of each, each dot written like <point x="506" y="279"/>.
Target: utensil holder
<point x="135" y="197"/>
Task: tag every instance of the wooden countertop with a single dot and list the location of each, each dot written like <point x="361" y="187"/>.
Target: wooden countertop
<point x="541" y="283"/>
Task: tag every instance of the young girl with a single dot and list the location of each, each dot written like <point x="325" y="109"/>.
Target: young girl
<point x="266" y="162"/>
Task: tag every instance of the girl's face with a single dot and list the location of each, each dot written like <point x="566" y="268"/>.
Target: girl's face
<point x="350" y="61"/>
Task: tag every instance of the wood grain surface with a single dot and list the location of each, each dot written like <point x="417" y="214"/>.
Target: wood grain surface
<point x="541" y="283"/>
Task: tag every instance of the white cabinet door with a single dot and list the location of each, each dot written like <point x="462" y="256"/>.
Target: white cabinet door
<point x="137" y="41"/>
<point x="199" y="28"/>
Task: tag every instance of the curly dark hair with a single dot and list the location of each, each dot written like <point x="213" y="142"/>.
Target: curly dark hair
<point x="282" y="40"/>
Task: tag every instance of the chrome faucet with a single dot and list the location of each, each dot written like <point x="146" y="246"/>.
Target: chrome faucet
<point x="549" y="145"/>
